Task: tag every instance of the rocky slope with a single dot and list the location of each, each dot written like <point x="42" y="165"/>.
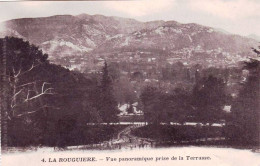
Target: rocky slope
<point x="67" y="35"/>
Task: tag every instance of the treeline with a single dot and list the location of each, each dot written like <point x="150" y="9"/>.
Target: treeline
<point x="168" y="76"/>
<point x="47" y="104"/>
<point x="243" y="124"/>
<point x="205" y="103"/>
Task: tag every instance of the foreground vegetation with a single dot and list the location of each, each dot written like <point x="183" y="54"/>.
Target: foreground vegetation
<point x="168" y="134"/>
<point x="46" y="104"/>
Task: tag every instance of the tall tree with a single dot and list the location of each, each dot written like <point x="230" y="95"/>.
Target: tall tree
<point x="21" y="60"/>
<point x="3" y="95"/>
<point x="180" y="105"/>
<point x="124" y="91"/>
<point x="25" y="91"/>
<point x="108" y="104"/>
<point x="153" y="100"/>
<point x="209" y="99"/>
<point x="245" y="125"/>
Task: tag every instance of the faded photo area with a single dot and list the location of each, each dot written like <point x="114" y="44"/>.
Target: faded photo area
<point x="130" y="82"/>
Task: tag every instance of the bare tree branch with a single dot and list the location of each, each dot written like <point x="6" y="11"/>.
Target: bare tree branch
<point x="13" y="70"/>
<point x="32" y="67"/>
<point x="27" y="84"/>
<point x="6" y="75"/>
<point x="34" y="97"/>
<point x="28" y="94"/>
<point x="17" y="93"/>
<point x="43" y="92"/>
<point x="47" y="90"/>
<point x="39" y="109"/>
<point x="19" y="72"/>
<point x="12" y="106"/>
<point x="43" y="86"/>
<point x="14" y="97"/>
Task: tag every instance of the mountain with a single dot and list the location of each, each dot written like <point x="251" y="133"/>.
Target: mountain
<point x="66" y="34"/>
<point x="222" y="30"/>
<point x="82" y="35"/>
<point x="254" y="36"/>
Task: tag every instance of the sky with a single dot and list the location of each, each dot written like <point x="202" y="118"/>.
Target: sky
<point x="235" y="16"/>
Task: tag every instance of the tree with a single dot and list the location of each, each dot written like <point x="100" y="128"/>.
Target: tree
<point x="179" y="105"/>
<point x="114" y="70"/>
<point x="166" y="107"/>
<point x="124" y="91"/>
<point x="22" y="59"/>
<point x="209" y="99"/>
<point x="244" y="125"/>
<point x="151" y="103"/>
<point x="24" y="90"/>
<point x="108" y="104"/>
<point x="43" y="102"/>
<point x="3" y="95"/>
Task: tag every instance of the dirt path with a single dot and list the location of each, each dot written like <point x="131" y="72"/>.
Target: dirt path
<point x="126" y="140"/>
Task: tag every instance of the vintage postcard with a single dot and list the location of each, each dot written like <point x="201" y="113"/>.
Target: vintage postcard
<point x="145" y="82"/>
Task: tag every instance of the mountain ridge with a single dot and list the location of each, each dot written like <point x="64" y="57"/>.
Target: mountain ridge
<point x="68" y="35"/>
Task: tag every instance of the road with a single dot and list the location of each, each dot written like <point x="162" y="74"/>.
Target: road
<point x="125" y="140"/>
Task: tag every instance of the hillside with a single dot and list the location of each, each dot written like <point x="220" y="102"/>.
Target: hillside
<point x="93" y="37"/>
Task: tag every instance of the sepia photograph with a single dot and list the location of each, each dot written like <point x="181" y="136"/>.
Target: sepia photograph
<point x="145" y="82"/>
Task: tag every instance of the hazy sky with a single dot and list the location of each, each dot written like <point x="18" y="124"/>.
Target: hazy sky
<point x="235" y="16"/>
